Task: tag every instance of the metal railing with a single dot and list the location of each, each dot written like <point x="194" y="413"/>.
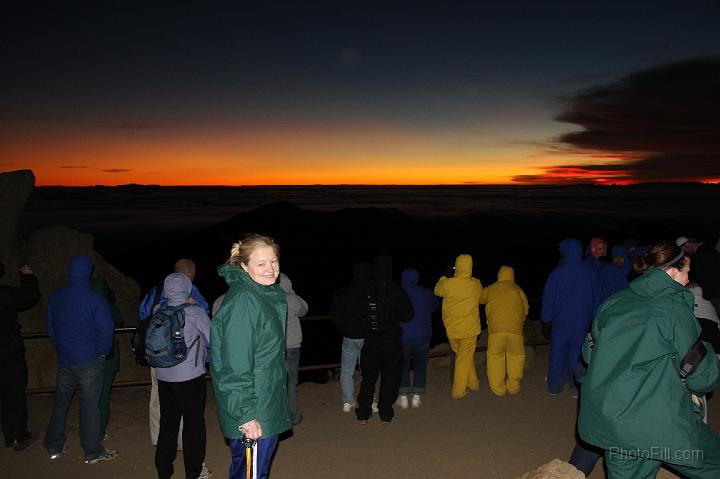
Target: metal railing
<point x="311" y="367"/>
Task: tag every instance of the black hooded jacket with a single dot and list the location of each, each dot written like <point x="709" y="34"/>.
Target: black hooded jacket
<point x="12" y="300"/>
<point x="344" y="301"/>
<point x="400" y="306"/>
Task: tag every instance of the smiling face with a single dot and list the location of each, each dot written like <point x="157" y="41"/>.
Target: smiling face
<point x="263" y="265"/>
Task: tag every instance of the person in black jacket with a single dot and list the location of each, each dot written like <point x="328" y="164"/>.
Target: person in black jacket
<point x="383" y="307"/>
<point x="352" y="329"/>
<point x="13" y="368"/>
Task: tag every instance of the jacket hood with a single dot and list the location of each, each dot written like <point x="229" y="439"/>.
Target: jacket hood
<point x="235" y="274"/>
<point x="361" y="273"/>
<point x="571" y="250"/>
<point x="285" y="283"/>
<point x="655" y="283"/>
<point x="382" y="268"/>
<point x="463" y="266"/>
<point x="410" y="277"/>
<point x="506" y="273"/>
<point x="80" y="269"/>
<point x="177" y="288"/>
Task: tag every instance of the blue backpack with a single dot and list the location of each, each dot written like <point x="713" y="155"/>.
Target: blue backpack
<point x="165" y="337"/>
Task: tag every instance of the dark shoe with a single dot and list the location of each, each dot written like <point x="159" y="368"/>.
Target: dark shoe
<point x="106" y="455"/>
<point x="25" y="443"/>
<point x="55" y="455"/>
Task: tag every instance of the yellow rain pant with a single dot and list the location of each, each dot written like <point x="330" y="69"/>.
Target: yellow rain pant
<point x="505" y="354"/>
<point x="465" y="375"/>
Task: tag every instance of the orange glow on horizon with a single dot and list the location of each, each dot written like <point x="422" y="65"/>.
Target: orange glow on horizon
<point x="367" y="155"/>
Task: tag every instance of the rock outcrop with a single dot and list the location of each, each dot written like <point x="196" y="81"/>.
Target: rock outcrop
<point x="15" y="188"/>
<point x="48" y="252"/>
<point x="555" y="469"/>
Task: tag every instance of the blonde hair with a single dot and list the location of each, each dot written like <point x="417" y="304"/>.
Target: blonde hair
<point x="240" y="251"/>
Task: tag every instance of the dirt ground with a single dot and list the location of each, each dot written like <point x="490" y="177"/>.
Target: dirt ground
<point x="479" y="436"/>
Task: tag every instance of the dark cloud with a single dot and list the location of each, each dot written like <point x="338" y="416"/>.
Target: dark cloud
<point x="136" y="126"/>
<point x="104" y="170"/>
<point x="661" y="124"/>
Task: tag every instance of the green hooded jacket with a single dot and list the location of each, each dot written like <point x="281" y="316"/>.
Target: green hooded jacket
<point x="247" y="339"/>
<point x="633" y="400"/>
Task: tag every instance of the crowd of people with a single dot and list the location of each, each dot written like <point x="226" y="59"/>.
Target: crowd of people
<point x="633" y="336"/>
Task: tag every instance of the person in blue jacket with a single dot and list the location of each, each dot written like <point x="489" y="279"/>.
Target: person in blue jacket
<point x="569" y="303"/>
<point x="596" y="251"/>
<point x="182" y="265"/>
<point x="620" y="268"/>
<point x="80" y="326"/>
<point x="416" y="338"/>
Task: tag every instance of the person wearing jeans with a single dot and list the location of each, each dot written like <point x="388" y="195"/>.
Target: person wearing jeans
<point x="415" y="354"/>
<point x="416" y="338"/>
<point x="88" y="378"/>
<point x="80" y="326"/>
<point x="353" y="330"/>
<point x="349" y="359"/>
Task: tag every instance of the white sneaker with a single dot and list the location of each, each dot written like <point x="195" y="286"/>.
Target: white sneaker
<point x="416" y="402"/>
<point x="206" y="473"/>
<point x="403" y="401"/>
<point x="348" y="406"/>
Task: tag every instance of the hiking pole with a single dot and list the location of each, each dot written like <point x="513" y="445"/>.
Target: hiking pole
<point x="250" y="462"/>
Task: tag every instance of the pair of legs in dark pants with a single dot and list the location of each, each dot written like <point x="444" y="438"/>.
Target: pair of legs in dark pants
<point x="88" y="379"/>
<point x="292" y="358"/>
<point x="185" y="399"/>
<point x="13" y="406"/>
<point x="381" y="356"/>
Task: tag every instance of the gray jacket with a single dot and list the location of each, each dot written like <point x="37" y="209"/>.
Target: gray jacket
<point x="177" y="289"/>
<point x="296" y="308"/>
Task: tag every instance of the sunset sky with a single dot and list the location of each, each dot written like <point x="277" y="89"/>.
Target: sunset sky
<point x="361" y="92"/>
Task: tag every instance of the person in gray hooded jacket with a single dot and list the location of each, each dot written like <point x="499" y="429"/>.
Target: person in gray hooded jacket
<point x="296" y="308"/>
<point x="182" y="388"/>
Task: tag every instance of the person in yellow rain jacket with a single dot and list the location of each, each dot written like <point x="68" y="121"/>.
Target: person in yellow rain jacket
<point x="461" y="316"/>
<point x="506" y="309"/>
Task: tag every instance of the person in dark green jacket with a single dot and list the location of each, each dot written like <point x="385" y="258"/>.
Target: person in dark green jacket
<point x="248" y="354"/>
<point x="112" y="360"/>
<point x="634" y="403"/>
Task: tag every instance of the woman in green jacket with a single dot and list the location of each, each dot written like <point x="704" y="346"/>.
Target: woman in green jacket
<point x="634" y="403"/>
<point x="248" y="354"/>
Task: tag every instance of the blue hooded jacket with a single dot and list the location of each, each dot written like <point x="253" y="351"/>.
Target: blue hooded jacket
<point x="570" y="297"/>
<point x="424" y="304"/>
<point x="78" y="320"/>
<point x="617" y="277"/>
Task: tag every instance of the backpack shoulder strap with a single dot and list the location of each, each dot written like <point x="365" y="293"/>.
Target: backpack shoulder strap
<point x="158" y="294"/>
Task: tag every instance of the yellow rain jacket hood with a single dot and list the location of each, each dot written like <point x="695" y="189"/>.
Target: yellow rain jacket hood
<point x="506" y="304"/>
<point x="461" y="300"/>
